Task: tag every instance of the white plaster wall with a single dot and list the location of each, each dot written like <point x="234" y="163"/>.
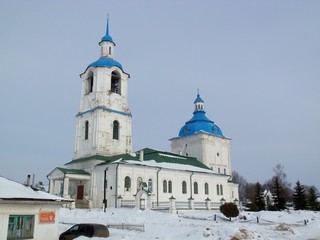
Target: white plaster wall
<point x="175" y="176"/>
<point x="206" y="148"/>
<point x="101" y="121"/>
<point x="47" y="231"/>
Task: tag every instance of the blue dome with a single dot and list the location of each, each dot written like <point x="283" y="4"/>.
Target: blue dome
<point x="199" y="122"/>
<point x="106" y="62"/>
<point x="198" y="99"/>
<point x="107" y="37"/>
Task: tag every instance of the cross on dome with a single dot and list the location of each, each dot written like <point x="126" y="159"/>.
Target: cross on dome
<point x="107" y="37"/>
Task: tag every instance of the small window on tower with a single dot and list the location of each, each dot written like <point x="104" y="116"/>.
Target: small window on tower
<point x="109" y="50"/>
<point x="115" y="82"/>
<point x="115" y="130"/>
<point x="86" y="130"/>
<point x="89" y="83"/>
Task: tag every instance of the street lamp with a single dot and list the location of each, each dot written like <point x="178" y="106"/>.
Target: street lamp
<point x="104" y="189"/>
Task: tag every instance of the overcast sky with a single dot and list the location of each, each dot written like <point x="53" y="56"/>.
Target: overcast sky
<point x="256" y="63"/>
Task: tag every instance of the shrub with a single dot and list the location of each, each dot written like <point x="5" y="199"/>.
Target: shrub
<point x="229" y="210"/>
<point x="252" y="207"/>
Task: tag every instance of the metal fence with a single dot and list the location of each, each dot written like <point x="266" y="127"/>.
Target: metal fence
<point x="127" y="226"/>
<point x="127" y="203"/>
<point x="200" y="205"/>
<point x="160" y="205"/>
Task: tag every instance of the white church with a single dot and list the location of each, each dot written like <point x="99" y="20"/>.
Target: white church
<point x="105" y="172"/>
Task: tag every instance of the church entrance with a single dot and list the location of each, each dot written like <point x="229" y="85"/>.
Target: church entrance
<point x="80" y="192"/>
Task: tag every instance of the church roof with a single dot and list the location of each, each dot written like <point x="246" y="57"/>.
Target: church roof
<point x="73" y="171"/>
<point x="106" y="62"/>
<point x="160" y="159"/>
<point x="199" y="122"/>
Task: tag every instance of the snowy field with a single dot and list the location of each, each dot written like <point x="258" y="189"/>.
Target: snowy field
<point x="196" y="225"/>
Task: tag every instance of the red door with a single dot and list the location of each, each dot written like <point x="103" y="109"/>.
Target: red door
<point x="80" y="192"/>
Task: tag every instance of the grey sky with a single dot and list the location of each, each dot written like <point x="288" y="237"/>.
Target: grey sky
<point x="256" y="63"/>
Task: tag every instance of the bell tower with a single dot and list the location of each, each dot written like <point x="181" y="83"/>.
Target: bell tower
<point x="103" y="124"/>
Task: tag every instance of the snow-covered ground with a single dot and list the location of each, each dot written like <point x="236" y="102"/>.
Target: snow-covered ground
<point x="196" y="225"/>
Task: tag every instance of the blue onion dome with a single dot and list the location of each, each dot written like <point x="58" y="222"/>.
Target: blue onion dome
<point x="199" y="122"/>
<point x="198" y="99"/>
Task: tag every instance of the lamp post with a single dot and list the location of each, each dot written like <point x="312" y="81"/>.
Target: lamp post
<point x="104" y="189"/>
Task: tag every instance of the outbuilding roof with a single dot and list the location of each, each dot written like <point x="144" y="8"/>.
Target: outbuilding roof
<point x="11" y="190"/>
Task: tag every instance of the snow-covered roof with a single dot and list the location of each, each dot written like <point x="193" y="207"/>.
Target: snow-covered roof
<point x="167" y="165"/>
<point x="11" y="190"/>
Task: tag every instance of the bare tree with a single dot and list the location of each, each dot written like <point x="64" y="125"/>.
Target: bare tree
<point x="236" y="177"/>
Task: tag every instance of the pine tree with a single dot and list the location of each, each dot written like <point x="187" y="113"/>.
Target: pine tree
<point x="259" y="200"/>
<point x="278" y="193"/>
<point x="299" y="197"/>
<point x="312" y="200"/>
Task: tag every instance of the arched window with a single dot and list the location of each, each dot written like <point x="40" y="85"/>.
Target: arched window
<point x="115" y="130"/>
<point x="164" y="186"/>
<point x="195" y="188"/>
<point x="89" y="83"/>
<point x="221" y="189"/>
<point x="218" y="192"/>
<point x="86" y="130"/>
<point x="139" y="181"/>
<point x="206" y="188"/>
<point x="109" y="50"/>
<point x="170" y="186"/>
<point x="127" y="183"/>
<point x="184" y="187"/>
<point x="115" y="82"/>
<point x="150" y="184"/>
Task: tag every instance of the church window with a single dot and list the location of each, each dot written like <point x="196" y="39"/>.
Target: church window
<point x="86" y="130"/>
<point x="115" y="130"/>
<point x="221" y="189"/>
<point x="164" y="186"/>
<point x="218" y="192"/>
<point x="218" y="154"/>
<point x="184" y="187"/>
<point x="150" y="184"/>
<point x="170" y="187"/>
<point x="89" y="83"/>
<point x="109" y="50"/>
<point x="206" y="188"/>
<point x="218" y="170"/>
<point x="115" y="82"/>
<point x="127" y="183"/>
<point x="195" y="188"/>
<point x="224" y="171"/>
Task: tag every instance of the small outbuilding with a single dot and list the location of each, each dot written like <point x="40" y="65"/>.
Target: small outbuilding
<point x="27" y="213"/>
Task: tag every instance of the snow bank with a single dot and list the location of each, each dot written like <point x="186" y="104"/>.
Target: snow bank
<point x="196" y="225"/>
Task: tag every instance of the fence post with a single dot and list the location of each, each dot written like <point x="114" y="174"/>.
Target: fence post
<point x="191" y="203"/>
<point x="208" y="202"/>
<point x="172" y="207"/>
<point x="257" y="219"/>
